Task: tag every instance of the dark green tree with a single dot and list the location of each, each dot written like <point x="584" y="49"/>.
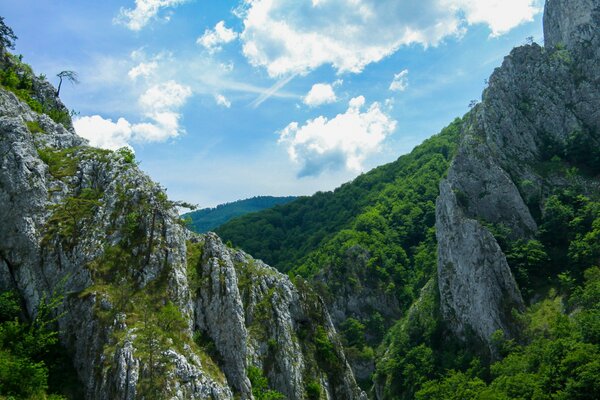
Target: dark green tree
<point x="70" y="76"/>
<point x="7" y="36"/>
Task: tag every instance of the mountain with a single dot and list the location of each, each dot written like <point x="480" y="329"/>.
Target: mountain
<point x="207" y="219"/>
<point x="467" y="269"/>
<point x="450" y="258"/>
<point x="105" y="295"/>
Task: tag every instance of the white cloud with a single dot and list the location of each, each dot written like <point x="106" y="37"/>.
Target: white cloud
<point x="296" y="36"/>
<point x="160" y="105"/>
<point x="102" y="132"/>
<point x="342" y="142"/>
<point x="222" y="101"/>
<point x="145" y="10"/>
<point x="165" y="96"/>
<point x="213" y="39"/>
<point x="143" y="69"/>
<point x="400" y="81"/>
<point x="320" y="93"/>
<point x="500" y="15"/>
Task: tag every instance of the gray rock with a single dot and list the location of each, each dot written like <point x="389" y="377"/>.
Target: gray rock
<point x="87" y="223"/>
<point x="535" y="101"/>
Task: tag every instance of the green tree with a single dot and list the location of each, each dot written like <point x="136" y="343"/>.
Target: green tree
<point x="70" y="76"/>
<point x="7" y="36"/>
<point x="354" y="333"/>
<point x="260" y="385"/>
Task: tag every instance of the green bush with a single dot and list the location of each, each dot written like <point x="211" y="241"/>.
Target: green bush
<point x="61" y="163"/>
<point x="127" y="154"/>
<point x="32" y="362"/>
<point x="260" y="385"/>
<point x="313" y="390"/>
<point x="34" y="127"/>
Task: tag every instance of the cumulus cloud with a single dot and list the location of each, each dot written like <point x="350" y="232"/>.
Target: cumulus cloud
<point x="222" y="101"/>
<point x="165" y="96"/>
<point x="297" y="36"/>
<point x="320" y="93"/>
<point x="342" y="142"/>
<point x="102" y="132"/>
<point x="160" y="104"/>
<point x="143" y="69"/>
<point x="145" y="10"/>
<point x="213" y="39"/>
<point x="500" y="15"/>
<point x="400" y="81"/>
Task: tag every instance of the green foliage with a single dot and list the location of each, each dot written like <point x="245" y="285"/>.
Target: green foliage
<point x="67" y="217"/>
<point x="527" y="258"/>
<point x="58" y="115"/>
<point x="559" y="357"/>
<point x="454" y="386"/>
<point x="62" y="163"/>
<point x="127" y="154"/>
<point x="208" y="219"/>
<point x="160" y="326"/>
<point x="34" y="127"/>
<point x="32" y="363"/>
<point x="260" y="385"/>
<point x="583" y="150"/>
<point x="9" y="306"/>
<point x="354" y="333"/>
<point x="325" y="351"/>
<point x="570" y="231"/>
<point x="313" y="390"/>
<point x="417" y="349"/>
<point x="7" y="36"/>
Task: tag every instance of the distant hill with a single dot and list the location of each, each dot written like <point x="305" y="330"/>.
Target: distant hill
<point x="208" y="219"/>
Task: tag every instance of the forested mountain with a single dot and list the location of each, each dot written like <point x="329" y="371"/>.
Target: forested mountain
<point x="207" y="219"/>
<point x="369" y="246"/>
<point x="467" y="269"/>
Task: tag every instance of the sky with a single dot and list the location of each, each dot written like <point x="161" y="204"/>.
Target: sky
<point x="228" y="99"/>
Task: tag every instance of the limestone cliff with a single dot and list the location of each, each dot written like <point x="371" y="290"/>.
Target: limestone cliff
<point x="151" y="311"/>
<point x="537" y="101"/>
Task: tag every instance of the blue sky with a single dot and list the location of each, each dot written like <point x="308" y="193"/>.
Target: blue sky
<point x="223" y="100"/>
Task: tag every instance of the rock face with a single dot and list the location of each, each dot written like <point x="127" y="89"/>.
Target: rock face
<point x="570" y="22"/>
<point x="151" y="311"/>
<point x="536" y="101"/>
<point x="278" y="324"/>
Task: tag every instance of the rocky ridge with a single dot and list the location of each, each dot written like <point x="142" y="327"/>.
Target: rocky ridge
<point x="150" y="311"/>
<point x="537" y="101"/>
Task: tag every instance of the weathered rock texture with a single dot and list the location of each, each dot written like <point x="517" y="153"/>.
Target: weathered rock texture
<point x="150" y="311"/>
<point x="535" y="101"/>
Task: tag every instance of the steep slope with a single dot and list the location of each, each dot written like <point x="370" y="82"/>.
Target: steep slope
<point x="543" y="102"/>
<point x="207" y="219"/>
<point x="150" y="310"/>
<point x="518" y="216"/>
<point x="515" y="215"/>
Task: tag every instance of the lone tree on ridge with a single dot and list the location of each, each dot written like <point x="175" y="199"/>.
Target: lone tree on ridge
<point x="71" y="76"/>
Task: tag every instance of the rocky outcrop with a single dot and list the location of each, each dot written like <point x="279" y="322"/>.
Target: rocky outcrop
<point x="267" y="322"/>
<point x="477" y="289"/>
<point x="536" y="101"/>
<point x="571" y="23"/>
<point x="150" y="312"/>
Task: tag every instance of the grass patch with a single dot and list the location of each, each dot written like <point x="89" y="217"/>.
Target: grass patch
<point x="61" y="163"/>
<point x="34" y="127"/>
